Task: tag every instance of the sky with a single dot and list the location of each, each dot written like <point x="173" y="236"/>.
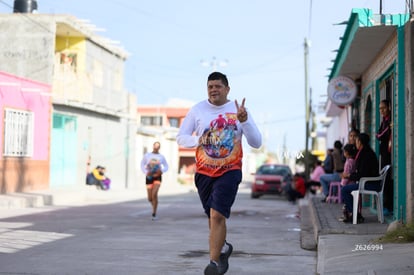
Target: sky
<point x="173" y="46"/>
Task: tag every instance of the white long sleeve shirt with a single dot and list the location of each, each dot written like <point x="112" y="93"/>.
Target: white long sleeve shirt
<point x="217" y="135"/>
<point x="151" y="162"/>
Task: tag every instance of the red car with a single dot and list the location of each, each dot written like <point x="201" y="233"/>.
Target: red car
<point x="270" y="179"/>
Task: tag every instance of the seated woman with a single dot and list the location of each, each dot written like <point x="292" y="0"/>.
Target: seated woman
<point x="314" y="184"/>
<point x="97" y="177"/>
<point x="338" y="162"/>
<point x="366" y="165"/>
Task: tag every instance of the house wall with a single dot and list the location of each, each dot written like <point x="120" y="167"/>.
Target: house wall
<point x="375" y="71"/>
<point x="384" y="60"/>
<point x="71" y="81"/>
<point x="91" y="91"/>
<point x="26" y="51"/>
<point x="25" y="173"/>
<point x="338" y="129"/>
<point x="409" y="111"/>
<point x="107" y="71"/>
<point x="388" y="62"/>
<point x="101" y="140"/>
<point x="20" y="175"/>
<point x="27" y="47"/>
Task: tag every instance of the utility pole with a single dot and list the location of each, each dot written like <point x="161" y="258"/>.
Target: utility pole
<point x="380" y="8"/>
<point x="127" y="138"/>
<point x="306" y="49"/>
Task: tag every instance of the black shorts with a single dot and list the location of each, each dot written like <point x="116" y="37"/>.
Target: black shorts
<point x="218" y="193"/>
<point x="150" y="180"/>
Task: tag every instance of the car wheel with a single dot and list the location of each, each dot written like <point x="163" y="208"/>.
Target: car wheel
<point x="255" y="195"/>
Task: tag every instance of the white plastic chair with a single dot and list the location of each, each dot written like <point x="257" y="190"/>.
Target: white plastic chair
<point x="378" y="194"/>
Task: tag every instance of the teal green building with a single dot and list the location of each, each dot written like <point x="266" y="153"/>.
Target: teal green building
<point x="376" y="52"/>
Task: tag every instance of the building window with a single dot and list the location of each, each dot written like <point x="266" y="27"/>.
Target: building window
<point x="18" y="133"/>
<point x="386" y="88"/>
<point x="151" y="120"/>
<point x="174" y="122"/>
<point x="63" y="122"/>
<point x="69" y="61"/>
<point x="368" y="117"/>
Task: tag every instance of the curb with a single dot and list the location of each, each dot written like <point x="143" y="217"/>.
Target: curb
<point x="22" y="200"/>
<point x="308" y="239"/>
<point x="316" y="222"/>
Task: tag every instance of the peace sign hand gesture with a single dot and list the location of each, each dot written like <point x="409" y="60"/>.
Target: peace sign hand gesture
<point x="241" y="111"/>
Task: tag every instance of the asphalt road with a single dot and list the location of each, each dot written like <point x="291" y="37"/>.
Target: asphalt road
<point x="121" y="238"/>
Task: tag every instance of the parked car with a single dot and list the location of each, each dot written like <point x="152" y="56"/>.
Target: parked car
<point x="270" y="179"/>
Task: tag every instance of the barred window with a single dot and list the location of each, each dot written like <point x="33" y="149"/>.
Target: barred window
<point x="151" y="120"/>
<point x="174" y="122"/>
<point x="18" y="133"/>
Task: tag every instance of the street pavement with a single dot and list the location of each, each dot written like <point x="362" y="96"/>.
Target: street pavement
<point x="348" y="248"/>
<point x="97" y="232"/>
<point x="112" y="233"/>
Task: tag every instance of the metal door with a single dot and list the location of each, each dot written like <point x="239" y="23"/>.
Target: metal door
<point x="63" y="156"/>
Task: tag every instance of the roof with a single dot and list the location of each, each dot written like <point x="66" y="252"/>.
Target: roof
<point x="365" y="36"/>
<point x="71" y="26"/>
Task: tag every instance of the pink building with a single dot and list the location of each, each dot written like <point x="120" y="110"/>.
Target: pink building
<point x="25" y="112"/>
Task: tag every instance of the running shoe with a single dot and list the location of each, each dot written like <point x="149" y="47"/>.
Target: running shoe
<point x="212" y="269"/>
<point x="154" y="217"/>
<point x="224" y="259"/>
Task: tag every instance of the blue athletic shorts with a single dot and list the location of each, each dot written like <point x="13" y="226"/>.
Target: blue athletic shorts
<point x="218" y="193"/>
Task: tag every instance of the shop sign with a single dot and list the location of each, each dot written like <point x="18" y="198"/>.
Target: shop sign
<point x="342" y="90"/>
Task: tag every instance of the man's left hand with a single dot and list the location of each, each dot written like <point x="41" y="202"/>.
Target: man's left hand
<point x="241" y="111"/>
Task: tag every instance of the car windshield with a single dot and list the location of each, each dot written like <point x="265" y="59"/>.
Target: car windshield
<point x="273" y="170"/>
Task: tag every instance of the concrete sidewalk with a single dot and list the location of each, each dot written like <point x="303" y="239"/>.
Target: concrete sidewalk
<point x="17" y="204"/>
<point x="82" y="195"/>
<point x="347" y="248"/>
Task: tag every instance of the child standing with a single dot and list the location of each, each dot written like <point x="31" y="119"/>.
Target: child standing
<point x="350" y="152"/>
<point x="349" y="166"/>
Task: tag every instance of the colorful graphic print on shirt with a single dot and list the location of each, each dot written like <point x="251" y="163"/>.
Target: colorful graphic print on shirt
<point x="220" y="148"/>
<point x="153" y="166"/>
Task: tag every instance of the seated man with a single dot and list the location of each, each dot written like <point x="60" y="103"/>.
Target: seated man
<point x="97" y="177"/>
<point x="366" y="165"/>
<point x="296" y="189"/>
